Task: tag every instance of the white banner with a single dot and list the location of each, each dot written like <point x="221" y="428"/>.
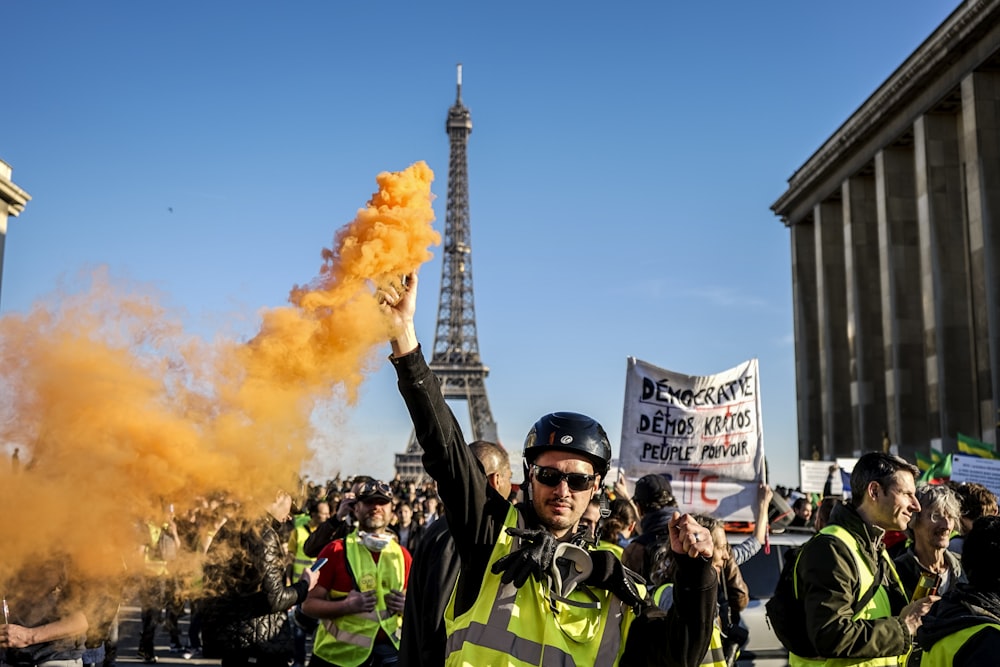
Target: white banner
<point x="813" y="476"/>
<point x="966" y="468"/>
<point x="703" y="432"/>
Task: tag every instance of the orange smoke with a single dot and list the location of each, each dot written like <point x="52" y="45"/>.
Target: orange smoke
<point x="118" y="413"/>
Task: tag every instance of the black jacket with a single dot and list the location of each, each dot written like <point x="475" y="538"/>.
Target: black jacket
<point x="432" y="578"/>
<point x="332" y="529"/>
<point x="246" y="602"/>
<point x="909" y="570"/>
<point x="476" y="513"/>
<point x="958" y="609"/>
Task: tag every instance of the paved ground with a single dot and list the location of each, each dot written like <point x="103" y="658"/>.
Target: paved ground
<point x="128" y="641"/>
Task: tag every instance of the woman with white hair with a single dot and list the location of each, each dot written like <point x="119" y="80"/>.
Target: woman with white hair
<point x="929" y="532"/>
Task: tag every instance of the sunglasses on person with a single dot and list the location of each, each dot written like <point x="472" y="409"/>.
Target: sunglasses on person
<point x="576" y="481"/>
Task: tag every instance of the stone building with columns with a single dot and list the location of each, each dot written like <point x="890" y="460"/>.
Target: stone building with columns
<point x="895" y="244"/>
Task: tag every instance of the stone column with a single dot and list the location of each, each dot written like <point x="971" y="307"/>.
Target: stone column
<point x="864" y="303"/>
<point x="902" y="306"/>
<point x="806" y="317"/>
<point x="834" y="354"/>
<point x="945" y="284"/>
<point x="12" y="202"/>
<point x="981" y="155"/>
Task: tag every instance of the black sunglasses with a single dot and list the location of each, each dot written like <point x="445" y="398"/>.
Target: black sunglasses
<point x="576" y="481"/>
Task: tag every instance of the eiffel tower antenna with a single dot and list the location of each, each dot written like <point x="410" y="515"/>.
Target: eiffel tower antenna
<point x="455" y="359"/>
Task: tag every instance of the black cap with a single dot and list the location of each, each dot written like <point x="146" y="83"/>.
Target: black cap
<point x="650" y="487"/>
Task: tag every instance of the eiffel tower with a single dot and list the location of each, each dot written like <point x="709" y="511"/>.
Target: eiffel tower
<point x="455" y="359"/>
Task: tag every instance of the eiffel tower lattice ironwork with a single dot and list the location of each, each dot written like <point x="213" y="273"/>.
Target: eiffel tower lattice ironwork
<point x="455" y="359"/>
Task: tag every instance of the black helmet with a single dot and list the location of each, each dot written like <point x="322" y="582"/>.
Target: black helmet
<point x="569" y="432"/>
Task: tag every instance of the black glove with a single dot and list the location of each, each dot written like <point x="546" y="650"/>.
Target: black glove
<point x="538" y="547"/>
<point x="611" y="575"/>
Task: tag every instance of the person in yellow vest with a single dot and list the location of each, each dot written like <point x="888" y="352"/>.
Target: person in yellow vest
<point x="360" y="595"/>
<point x="963" y="629"/>
<point x="317" y="511"/>
<point x="837" y="567"/>
<point x="526" y="593"/>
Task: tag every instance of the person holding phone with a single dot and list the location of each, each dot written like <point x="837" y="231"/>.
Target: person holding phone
<point x="245" y="609"/>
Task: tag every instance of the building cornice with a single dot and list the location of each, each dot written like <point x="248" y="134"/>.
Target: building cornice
<point x="10" y="194"/>
<point x="930" y="67"/>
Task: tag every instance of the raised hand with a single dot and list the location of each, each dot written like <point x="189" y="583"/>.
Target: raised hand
<point x="689" y="537"/>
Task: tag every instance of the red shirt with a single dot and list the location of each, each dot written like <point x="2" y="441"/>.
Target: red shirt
<point x="335" y="575"/>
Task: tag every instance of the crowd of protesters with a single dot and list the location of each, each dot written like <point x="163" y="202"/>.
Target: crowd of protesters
<point x="325" y="571"/>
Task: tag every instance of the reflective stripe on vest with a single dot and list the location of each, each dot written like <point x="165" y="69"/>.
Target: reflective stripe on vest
<point x="877" y="607"/>
<point x="347" y="641"/>
<point x="511" y="626"/>
<point x="715" y="656"/>
<point x="302" y="561"/>
<point x="944" y="650"/>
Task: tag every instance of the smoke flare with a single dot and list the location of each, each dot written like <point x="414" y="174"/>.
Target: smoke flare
<point x="119" y="414"/>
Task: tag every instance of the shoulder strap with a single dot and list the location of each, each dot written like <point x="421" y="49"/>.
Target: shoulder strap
<point x="851" y="543"/>
<point x="870" y="593"/>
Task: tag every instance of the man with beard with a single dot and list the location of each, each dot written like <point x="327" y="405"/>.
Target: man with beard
<point x="526" y="594"/>
<point x="963" y="629"/>
<point x="360" y="595"/>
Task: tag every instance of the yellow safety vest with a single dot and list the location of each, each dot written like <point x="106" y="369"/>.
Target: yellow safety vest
<point x="154" y="566"/>
<point x="518" y="627"/>
<point x="302" y="561"/>
<point x="608" y="546"/>
<point x="715" y="656"/>
<point x="347" y="641"/>
<point x="877" y="607"/>
<point x="943" y="651"/>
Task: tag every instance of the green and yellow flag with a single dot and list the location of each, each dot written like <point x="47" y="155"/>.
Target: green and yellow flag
<point x="940" y="470"/>
<point x="973" y="447"/>
<point x="924" y="461"/>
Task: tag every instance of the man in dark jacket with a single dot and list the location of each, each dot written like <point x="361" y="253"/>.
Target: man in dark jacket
<point x="435" y="569"/>
<point x="963" y="629"/>
<point x="838" y="566"/>
<point x="525" y="591"/>
<point x="654" y="499"/>
<point x="245" y="611"/>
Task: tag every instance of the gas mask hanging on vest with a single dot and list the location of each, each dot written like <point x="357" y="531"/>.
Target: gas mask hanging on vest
<point x="375" y="541"/>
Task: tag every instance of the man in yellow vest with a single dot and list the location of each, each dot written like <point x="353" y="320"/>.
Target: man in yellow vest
<point x="963" y="629"/>
<point x="838" y="567"/>
<point x="526" y="594"/>
<point x="360" y="594"/>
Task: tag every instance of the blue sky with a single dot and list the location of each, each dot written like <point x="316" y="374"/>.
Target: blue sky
<point x="622" y="164"/>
